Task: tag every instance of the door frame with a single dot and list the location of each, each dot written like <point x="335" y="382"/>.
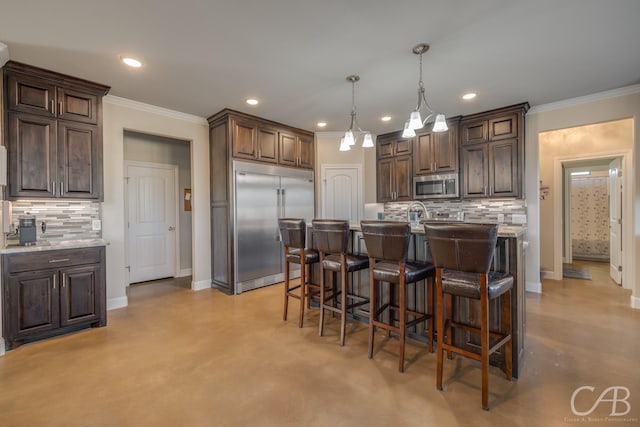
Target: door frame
<point x="176" y="189"/>
<point x="627" y="211"/>
<point x="323" y="187"/>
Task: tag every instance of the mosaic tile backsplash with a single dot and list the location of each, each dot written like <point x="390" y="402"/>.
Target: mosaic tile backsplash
<point x="474" y="210"/>
<point x="66" y="220"/>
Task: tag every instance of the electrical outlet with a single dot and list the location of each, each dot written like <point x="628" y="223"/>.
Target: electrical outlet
<point x="518" y="219"/>
<point x="500" y="218"/>
<point x="96" y="225"/>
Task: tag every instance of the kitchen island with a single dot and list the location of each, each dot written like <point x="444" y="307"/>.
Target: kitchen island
<point x="509" y="257"/>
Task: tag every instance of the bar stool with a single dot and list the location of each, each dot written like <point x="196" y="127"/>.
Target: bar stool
<point x="388" y="246"/>
<point x="462" y="254"/>
<point x="331" y="237"/>
<point x="293" y="232"/>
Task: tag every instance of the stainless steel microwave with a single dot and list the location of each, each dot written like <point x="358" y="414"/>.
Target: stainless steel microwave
<point x="438" y="186"/>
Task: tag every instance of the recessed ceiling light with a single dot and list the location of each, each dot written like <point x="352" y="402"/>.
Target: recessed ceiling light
<point x="251" y="101"/>
<point x="132" y="62"/>
<point x="385" y="118"/>
<point x="321" y="124"/>
<point x="469" y="96"/>
<point x="581" y="173"/>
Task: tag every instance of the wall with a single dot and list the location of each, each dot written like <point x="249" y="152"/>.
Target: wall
<point x="157" y="149"/>
<point x="574" y="142"/>
<point x="120" y="115"/>
<point x="619" y="104"/>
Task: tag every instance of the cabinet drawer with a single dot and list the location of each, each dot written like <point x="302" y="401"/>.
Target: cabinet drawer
<point x="15" y="263"/>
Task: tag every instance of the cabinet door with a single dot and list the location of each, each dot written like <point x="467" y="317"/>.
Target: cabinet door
<point x="403" y="178"/>
<point x="385" y="180"/>
<point x="32" y="160"/>
<point x="244" y="139"/>
<point x="80" y="161"/>
<point x="384" y="148"/>
<point x="475" y="171"/>
<point x="80" y="294"/>
<point x="77" y="106"/>
<point x="445" y="152"/>
<point x="474" y="132"/>
<point x="403" y="146"/>
<point x="306" y="150"/>
<point x="504" y="127"/>
<point x="288" y="149"/>
<point x="32" y="304"/>
<point x="503" y="169"/>
<point x="30" y="95"/>
<point x="268" y="145"/>
<point x="423" y="160"/>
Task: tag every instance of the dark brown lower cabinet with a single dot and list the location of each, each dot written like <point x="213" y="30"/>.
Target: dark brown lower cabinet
<point x="52" y="292"/>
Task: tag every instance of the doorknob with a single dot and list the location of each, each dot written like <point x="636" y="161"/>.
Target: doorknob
<point x="171" y="228"/>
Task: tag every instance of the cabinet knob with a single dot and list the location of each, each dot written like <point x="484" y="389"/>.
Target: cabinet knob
<point x="171" y="228"/>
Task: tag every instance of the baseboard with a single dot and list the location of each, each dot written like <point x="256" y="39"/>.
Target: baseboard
<point x="635" y="302"/>
<point x="184" y="272"/>
<point x="200" y="285"/>
<point x="119" y="302"/>
<point x="535" y="287"/>
<point x="1" y="346"/>
<point x="545" y="274"/>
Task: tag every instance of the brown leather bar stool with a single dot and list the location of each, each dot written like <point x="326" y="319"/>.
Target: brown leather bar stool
<point x="293" y="232"/>
<point x="331" y="237"/>
<point x="462" y="254"/>
<point x="388" y="246"/>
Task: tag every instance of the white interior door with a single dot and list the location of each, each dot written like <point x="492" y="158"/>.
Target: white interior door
<point x="152" y="221"/>
<point x="615" y="219"/>
<point x="342" y="192"/>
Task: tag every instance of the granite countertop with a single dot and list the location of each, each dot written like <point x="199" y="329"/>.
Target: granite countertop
<point x="54" y="245"/>
<point x="504" y="230"/>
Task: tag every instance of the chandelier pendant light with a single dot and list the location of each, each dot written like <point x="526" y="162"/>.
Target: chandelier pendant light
<point x="349" y="137"/>
<point x="415" y="118"/>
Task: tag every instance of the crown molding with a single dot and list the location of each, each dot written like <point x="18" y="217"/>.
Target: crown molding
<point x="147" y="108"/>
<point x="572" y="102"/>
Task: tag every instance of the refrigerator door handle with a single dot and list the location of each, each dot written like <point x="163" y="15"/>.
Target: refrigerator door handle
<point x="283" y="202"/>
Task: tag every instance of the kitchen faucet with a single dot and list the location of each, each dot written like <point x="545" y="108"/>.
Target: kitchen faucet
<point x="416" y="204"/>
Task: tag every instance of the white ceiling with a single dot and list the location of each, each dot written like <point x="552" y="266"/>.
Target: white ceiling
<point x="204" y="55"/>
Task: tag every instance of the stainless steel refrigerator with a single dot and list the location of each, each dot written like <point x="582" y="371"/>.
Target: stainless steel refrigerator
<point x="264" y="193"/>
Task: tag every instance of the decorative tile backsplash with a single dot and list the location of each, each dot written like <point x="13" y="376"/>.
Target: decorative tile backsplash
<point x="65" y="220"/>
<point x="474" y="210"/>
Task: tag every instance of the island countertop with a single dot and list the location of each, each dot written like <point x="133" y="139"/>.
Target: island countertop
<point x="504" y="230"/>
<point x="53" y="245"/>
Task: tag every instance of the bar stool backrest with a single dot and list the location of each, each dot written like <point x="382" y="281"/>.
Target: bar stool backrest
<point x="293" y="232"/>
<point x="331" y="236"/>
<point x="462" y="247"/>
<point x="387" y="240"/>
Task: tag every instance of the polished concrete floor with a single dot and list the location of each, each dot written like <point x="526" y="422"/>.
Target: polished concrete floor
<point x="174" y="357"/>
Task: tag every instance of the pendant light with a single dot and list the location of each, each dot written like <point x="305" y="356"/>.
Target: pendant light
<point x="349" y="137"/>
<point x="415" y="119"/>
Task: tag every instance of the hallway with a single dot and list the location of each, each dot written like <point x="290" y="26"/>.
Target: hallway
<point x="177" y="357"/>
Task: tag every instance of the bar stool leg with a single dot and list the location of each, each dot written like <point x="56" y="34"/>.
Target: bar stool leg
<point x="343" y="300"/>
<point x="440" y="327"/>
<point x="506" y="321"/>
<point x="286" y="284"/>
<point x="431" y="323"/>
<point x="484" y="340"/>
<point x="372" y="306"/>
<point x="322" y="298"/>
<point x="448" y="319"/>
<point x="303" y="287"/>
<point x="402" y="315"/>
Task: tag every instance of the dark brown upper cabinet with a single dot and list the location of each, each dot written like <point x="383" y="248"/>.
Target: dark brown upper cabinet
<point x="54" y="134"/>
<point x="436" y="152"/>
<point x="394" y="168"/>
<point x="492" y="153"/>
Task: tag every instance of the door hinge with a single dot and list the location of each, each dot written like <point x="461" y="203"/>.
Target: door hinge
<point x="126" y="178"/>
<point x="619" y="268"/>
<point x="128" y="267"/>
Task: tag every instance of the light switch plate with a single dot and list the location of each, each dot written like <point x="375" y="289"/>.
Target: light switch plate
<point x="96" y="225"/>
<point x="518" y="219"/>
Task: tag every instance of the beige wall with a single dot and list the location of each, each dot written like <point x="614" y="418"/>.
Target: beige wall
<point x="121" y="115"/>
<point x="158" y="149"/>
<point x="579" y="142"/>
<point x="327" y="152"/>
<point x="598" y="108"/>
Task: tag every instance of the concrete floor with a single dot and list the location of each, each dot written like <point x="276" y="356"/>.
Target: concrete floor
<point x="175" y="357"/>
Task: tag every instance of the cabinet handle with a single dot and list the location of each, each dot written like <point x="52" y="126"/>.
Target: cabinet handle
<point x="51" y="261"/>
<point x="55" y="279"/>
<point x="491" y="190"/>
<point x="60" y="108"/>
<point x="53" y="107"/>
<point x="53" y="185"/>
<point x="64" y="280"/>
<point x="61" y="187"/>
